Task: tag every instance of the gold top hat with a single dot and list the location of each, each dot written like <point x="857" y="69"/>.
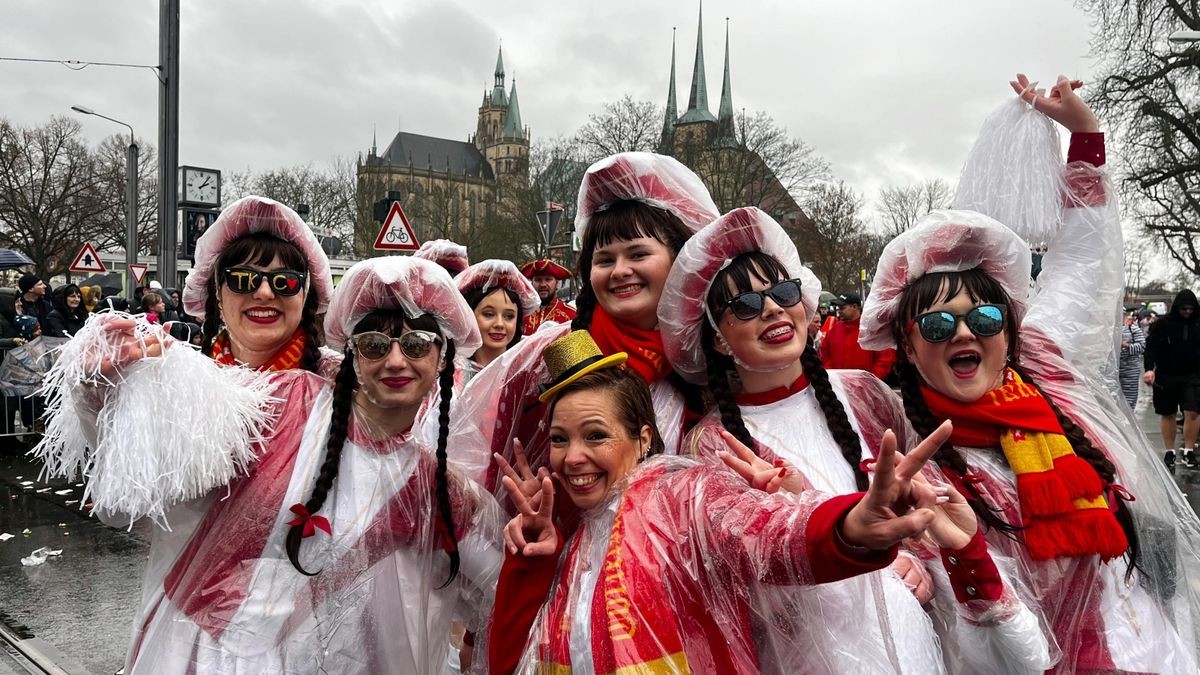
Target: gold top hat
<point x="571" y="357"/>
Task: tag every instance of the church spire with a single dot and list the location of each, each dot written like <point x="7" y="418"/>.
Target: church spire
<point x="374" y="137"/>
<point x="498" y="88"/>
<point x="726" y="130"/>
<point x="512" y="119"/>
<point x="698" y="100"/>
<point x="667" y="141"/>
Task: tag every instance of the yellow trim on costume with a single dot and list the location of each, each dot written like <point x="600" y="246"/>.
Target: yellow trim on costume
<point x="670" y="664"/>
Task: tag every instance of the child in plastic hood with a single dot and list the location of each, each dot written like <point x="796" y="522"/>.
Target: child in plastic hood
<point x="501" y="298"/>
<point x="339" y="542"/>
<point x="747" y="340"/>
<point x="1048" y="457"/>
<point x="635" y="211"/>
<point x="657" y="575"/>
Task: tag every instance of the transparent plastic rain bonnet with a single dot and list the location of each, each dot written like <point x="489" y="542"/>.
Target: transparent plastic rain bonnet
<point x="249" y="215"/>
<point x="684" y="300"/>
<point x="493" y="274"/>
<point x="399" y="282"/>
<point x="446" y="253"/>
<point x="944" y="241"/>
<point x="660" y="181"/>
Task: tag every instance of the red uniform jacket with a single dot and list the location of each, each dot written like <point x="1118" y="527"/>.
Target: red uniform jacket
<point x="840" y="349"/>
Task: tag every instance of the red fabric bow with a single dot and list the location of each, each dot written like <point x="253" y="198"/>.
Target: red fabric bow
<point x="309" y="521"/>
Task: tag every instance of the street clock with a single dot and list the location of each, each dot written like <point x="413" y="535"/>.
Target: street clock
<point x="199" y="187"/>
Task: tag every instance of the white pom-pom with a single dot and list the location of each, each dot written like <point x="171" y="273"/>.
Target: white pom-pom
<point x="172" y="429"/>
<point x="1014" y="172"/>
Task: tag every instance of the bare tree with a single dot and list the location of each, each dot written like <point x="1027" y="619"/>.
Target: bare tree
<point x="329" y="192"/>
<point x="624" y="126"/>
<point x="111" y="158"/>
<point x="902" y="206"/>
<point x="1147" y="96"/>
<point x="832" y="238"/>
<point x="53" y="197"/>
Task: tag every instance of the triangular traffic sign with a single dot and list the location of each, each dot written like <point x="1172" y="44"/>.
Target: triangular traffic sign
<point x="87" y="260"/>
<point x="396" y="233"/>
<point x="139" y="272"/>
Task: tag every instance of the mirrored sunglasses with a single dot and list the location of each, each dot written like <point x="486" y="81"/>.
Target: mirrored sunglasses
<point x="414" y="344"/>
<point x="983" y="321"/>
<point x="746" y="306"/>
<point x="281" y="282"/>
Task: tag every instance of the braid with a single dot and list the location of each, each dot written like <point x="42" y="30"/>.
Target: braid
<point x="343" y="399"/>
<point x="718" y="385"/>
<point x="835" y="413"/>
<point x="1104" y="467"/>
<point x="585" y="306"/>
<point x="446" y="382"/>
<point x="947" y="456"/>
<point x="312" y="335"/>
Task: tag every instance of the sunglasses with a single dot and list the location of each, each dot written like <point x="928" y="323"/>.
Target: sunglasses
<point x="281" y="282"/>
<point x="414" y="344"/>
<point x="983" y="321"/>
<point x="746" y="306"/>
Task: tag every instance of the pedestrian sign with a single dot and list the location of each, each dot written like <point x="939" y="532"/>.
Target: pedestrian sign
<point x="396" y="233"/>
<point x="139" y="272"/>
<point x="87" y="260"/>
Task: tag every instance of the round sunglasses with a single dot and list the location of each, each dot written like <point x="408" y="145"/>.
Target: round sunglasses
<point x="281" y="282"/>
<point x="414" y="344"/>
<point x="983" y="321"/>
<point x="748" y="305"/>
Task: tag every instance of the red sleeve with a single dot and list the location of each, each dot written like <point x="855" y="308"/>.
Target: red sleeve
<point x="829" y="346"/>
<point x="522" y="589"/>
<point x="973" y="573"/>
<point x="1086" y="147"/>
<point x="832" y="559"/>
<point x="882" y="363"/>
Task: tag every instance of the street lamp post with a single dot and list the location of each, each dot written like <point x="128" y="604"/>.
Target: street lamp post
<point x="131" y="199"/>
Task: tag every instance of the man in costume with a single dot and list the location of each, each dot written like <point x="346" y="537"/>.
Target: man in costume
<point x="545" y="275"/>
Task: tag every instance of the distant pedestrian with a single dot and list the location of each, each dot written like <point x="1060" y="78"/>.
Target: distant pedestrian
<point x="1133" y="345"/>
<point x="153" y="306"/>
<point x="69" y="313"/>
<point x="1172" y="368"/>
<point x="33" y="297"/>
<point x="839" y="347"/>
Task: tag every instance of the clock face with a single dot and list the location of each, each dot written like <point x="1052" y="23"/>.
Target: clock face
<point x="201" y="187"/>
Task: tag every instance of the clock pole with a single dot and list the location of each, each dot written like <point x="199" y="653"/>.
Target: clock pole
<point x="168" y="140"/>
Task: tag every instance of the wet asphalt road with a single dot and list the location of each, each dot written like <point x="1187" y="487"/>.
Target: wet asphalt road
<point x="82" y="602"/>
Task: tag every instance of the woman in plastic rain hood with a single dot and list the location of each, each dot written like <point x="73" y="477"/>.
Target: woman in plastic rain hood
<point x="310" y="529"/>
<point x="657" y="574"/>
<point x="747" y="340"/>
<point x="1048" y="458"/>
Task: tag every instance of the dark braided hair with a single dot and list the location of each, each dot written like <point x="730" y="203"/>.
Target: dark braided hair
<point x="932" y="288"/>
<point x="446" y="382"/>
<point x="768" y="270"/>
<point x="339" y="422"/>
<point x="391" y="321"/>
<point x="261" y="248"/>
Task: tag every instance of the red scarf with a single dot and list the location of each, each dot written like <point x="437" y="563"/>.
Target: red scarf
<point x="772" y="395"/>
<point x="1063" y="509"/>
<point x="286" y="357"/>
<point x="647" y="357"/>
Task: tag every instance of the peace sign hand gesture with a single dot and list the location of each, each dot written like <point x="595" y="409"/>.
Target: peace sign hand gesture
<point x="523" y="477"/>
<point x="896" y="506"/>
<point x="531" y="532"/>
<point x="760" y="474"/>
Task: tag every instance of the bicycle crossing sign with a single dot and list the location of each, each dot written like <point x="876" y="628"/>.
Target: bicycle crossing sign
<point x="396" y="233"/>
<point x="87" y="260"/>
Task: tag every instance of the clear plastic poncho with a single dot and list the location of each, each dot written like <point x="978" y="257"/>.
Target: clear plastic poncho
<point x="492" y="274"/>
<point x="219" y="593"/>
<point x="1101" y="619"/>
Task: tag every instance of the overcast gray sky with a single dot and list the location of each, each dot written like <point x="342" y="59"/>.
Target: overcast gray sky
<point x="889" y="92"/>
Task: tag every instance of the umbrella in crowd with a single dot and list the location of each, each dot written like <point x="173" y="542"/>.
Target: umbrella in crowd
<point x="11" y="260"/>
<point x="23" y="367"/>
<point x="111" y="283"/>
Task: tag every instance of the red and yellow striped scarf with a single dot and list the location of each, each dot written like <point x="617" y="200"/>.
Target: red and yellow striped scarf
<point x="286" y="358"/>
<point x="1063" y="508"/>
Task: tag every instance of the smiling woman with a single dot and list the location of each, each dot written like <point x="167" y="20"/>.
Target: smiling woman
<point x="260" y="280"/>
